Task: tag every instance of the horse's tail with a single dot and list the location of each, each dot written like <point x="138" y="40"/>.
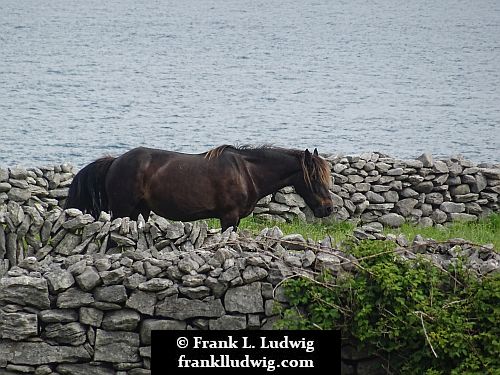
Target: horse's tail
<point x="87" y="191"/>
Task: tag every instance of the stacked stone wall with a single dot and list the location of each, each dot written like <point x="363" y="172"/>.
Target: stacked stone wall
<point x="72" y="304"/>
<point x="374" y="187"/>
<point x="81" y="295"/>
<point x="369" y="188"/>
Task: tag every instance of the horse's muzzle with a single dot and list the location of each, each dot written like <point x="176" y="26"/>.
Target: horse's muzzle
<point x="323" y="211"/>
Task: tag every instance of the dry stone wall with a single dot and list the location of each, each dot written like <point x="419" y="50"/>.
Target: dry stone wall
<point x="374" y="187"/>
<point x="74" y="305"/>
<point x="81" y="295"/>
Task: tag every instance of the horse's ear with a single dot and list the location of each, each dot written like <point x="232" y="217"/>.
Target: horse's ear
<point x="316" y="152"/>
<point x="307" y="157"/>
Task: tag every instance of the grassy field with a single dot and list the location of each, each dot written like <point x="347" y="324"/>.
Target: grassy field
<point x="482" y="232"/>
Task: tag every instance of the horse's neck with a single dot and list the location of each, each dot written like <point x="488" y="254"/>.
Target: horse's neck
<point x="273" y="172"/>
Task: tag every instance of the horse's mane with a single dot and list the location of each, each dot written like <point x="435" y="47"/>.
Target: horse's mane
<point x="319" y="170"/>
<point x="216" y="152"/>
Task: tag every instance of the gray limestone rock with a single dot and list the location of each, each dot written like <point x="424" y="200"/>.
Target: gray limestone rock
<point x="155" y="285"/>
<point x="427" y="160"/>
<point x="218" y="288"/>
<point x="391" y="196"/>
<point x="74" y="298"/>
<point x="111" y="294"/>
<point x="291" y="199"/>
<point x="425" y="222"/>
<point x="293" y="242"/>
<point x="360" y="234"/>
<point x="459" y="189"/>
<point x="479" y="183"/>
<point x="198" y="292"/>
<point x="116" y="346"/>
<point x="409" y="193"/>
<point x="59" y="280"/>
<point x="65" y="333"/>
<point x="374" y="197"/>
<point x="40" y="353"/>
<point x="25" y="290"/>
<point x="466" y="198"/>
<point x="392" y="220"/>
<point x="424" y="187"/>
<point x="440" y="167"/>
<point x="278" y="208"/>
<point x="18" y="325"/>
<point x="91" y="316"/>
<point x="4" y="175"/>
<point x="19" y="195"/>
<point x="184" y="308"/>
<point x="244" y="299"/>
<point x="68" y="244"/>
<point x="149" y="325"/>
<point x="143" y="302"/>
<point x="133" y="281"/>
<point x="58" y="316"/>
<point x="229" y="322"/>
<point x="405" y="206"/>
<point x="121" y="240"/>
<point x="357" y="198"/>
<point x="121" y="320"/>
<point x="193" y="280"/>
<point x="395" y="172"/>
<point x="115" y="276"/>
<point x="59" y="193"/>
<point x="83" y="369"/>
<point x="434" y="198"/>
<point x="253" y="273"/>
<point x="88" y="279"/>
<point x="328" y="261"/>
<point x="4" y="187"/>
<point x="452" y="207"/>
<point x="187" y="265"/>
<point x="174" y="230"/>
<point x="78" y="222"/>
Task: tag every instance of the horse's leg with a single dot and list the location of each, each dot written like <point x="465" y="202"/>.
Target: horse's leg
<point x="231" y="219"/>
<point x="141" y="209"/>
<point x="123" y="209"/>
<point x="124" y="196"/>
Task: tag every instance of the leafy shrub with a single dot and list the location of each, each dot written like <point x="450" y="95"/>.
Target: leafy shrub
<point x="415" y="316"/>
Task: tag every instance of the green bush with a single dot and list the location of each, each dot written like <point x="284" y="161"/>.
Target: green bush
<point x="415" y="316"/>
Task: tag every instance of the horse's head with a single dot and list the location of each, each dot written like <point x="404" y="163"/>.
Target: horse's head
<point x="314" y="184"/>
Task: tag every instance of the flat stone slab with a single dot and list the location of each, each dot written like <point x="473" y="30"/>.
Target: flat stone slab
<point x="74" y="298"/>
<point x="18" y="325"/>
<point x="229" y="322"/>
<point x="83" y="369"/>
<point x="41" y="353"/>
<point x="116" y="347"/>
<point x="25" y="290"/>
<point x="68" y="333"/>
<point x="183" y="308"/>
<point x="245" y="299"/>
<point x="149" y="325"/>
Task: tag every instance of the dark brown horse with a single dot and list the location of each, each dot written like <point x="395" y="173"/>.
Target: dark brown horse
<point x="223" y="183"/>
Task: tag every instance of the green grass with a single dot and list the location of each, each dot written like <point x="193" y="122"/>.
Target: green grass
<point x="316" y="231"/>
<point x="484" y="231"/>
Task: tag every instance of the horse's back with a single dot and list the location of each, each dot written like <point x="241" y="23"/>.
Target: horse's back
<point x="173" y="184"/>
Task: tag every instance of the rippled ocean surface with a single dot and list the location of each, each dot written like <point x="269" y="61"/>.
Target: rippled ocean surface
<point x="79" y="79"/>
